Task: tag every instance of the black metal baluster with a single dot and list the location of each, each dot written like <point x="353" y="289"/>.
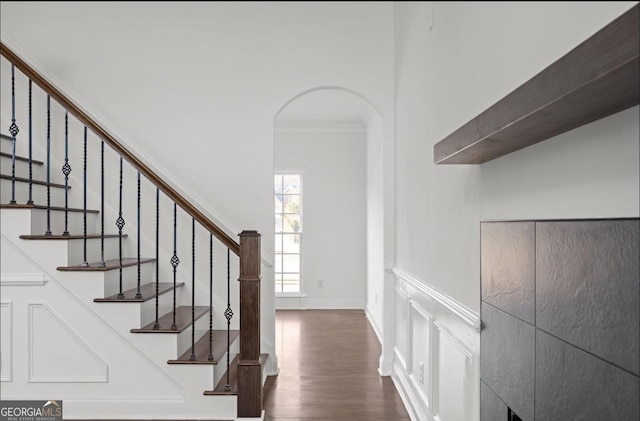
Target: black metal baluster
<point x="193" y="290"/>
<point x="102" y="262"/>
<point x="30" y="201"/>
<point x="66" y="170"/>
<point x="210" y="357"/>
<point x="84" y="201"/>
<point x="120" y="224"/>
<point x="228" y="314"/>
<point x="175" y="261"/>
<point x="13" y="130"/>
<point x="138" y="293"/>
<point x="48" y="166"/>
<point x="157" y="324"/>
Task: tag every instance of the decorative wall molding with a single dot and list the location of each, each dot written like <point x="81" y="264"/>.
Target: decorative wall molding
<point x="449" y="303"/>
<point x="107" y="326"/>
<point x="319" y="126"/>
<point x="6" y="353"/>
<point x="23" y="279"/>
<point x="442" y="330"/>
<point x="100" y="375"/>
<point x="407" y="395"/>
<point x="439" y="333"/>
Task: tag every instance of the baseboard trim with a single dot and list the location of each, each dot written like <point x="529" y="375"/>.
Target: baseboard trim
<point x="373" y="324"/>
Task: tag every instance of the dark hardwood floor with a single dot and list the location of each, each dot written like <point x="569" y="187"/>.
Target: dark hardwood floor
<point x="328" y="370"/>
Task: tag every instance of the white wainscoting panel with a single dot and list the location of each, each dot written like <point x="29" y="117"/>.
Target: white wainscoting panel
<point x="421" y="338"/>
<point x="6" y="341"/>
<point x="401" y="309"/>
<point x="455" y="378"/>
<point x="436" y="351"/>
<point x="57" y="354"/>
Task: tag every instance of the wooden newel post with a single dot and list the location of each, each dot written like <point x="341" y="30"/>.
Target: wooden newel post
<point x="249" y="369"/>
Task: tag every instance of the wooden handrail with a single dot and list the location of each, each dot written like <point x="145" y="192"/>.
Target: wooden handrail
<point x="81" y="115"/>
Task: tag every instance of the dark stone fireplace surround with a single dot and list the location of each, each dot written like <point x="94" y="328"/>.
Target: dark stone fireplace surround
<point x="560" y="312"/>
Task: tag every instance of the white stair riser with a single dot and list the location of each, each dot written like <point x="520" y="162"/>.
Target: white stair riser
<point x="165" y="305"/>
<point x="38" y="194"/>
<point x="22" y="169"/>
<point x="184" y="337"/>
<point x="75" y="250"/>
<point x="221" y="368"/>
<point x="129" y="278"/>
<point x="75" y="222"/>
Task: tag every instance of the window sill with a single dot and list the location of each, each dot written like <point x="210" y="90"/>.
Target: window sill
<point x="291" y="295"/>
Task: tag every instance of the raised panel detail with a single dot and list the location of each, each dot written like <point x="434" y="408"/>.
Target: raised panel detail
<point x="420" y="367"/>
<point x="57" y="353"/>
<point x="401" y="327"/>
<point x="456" y="380"/>
<point x="6" y="341"/>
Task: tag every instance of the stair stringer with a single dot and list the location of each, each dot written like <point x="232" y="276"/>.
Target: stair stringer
<point x="139" y="382"/>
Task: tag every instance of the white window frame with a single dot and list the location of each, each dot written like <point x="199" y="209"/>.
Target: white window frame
<point x="292" y="171"/>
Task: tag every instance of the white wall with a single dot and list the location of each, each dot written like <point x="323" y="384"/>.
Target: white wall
<point x="375" y="221"/>
<point x="452" y="61"/>
<point x="334" y="247"/>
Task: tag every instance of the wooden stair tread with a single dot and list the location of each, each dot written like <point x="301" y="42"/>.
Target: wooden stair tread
<point x="233" y="378"/>
<point x="5" y="136"/>
<point x="21" y="158"/>
<point x="39" y="182"/>
<point x="218" y="350"/>
<point x="109" y="265"/>
<point x="69" y="237"/>
<point x="148" y="291"/>
<point x="183" y="320"/>
<point x="53" y="208"/>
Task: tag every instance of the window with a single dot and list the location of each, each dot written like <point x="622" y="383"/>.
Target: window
<point x="288" y="201"/>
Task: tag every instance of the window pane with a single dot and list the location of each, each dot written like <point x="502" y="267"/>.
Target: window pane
<point x="278" y="203"/>
<point x="291" y="223"/>
<point x="291" y="283"/>
<point x="290" y="243"/>
<point x="278" y="283"/>
<point x="278" y="263"/>
<point x="277" y="184"/>
<point x="290" y="263"/>
<point x="291" y="184"/>
<point x="279" y="243"/>
<point x="291" y="203"/>
<point x="278" y="222"/>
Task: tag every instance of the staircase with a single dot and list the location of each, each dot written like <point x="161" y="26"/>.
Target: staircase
<point x="116" y="289"/>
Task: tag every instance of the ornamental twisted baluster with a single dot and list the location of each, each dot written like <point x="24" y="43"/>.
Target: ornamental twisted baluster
<point x="102" y="262"/>
<point x="138" y="293"/>
<point x="156" y="325"/>
<point x="84" y="201"/>
<point x="66" y="170"/>
<point x="120" y="224"/>
<point x="48" y="166"/>
<point x="228" y="314"/>
<point x="210" y="356"/>
<point x="30" y="200"/>
<point x="13" y="130"/>
<point x="175" y="261"/>
<point x="193" y="290"/>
